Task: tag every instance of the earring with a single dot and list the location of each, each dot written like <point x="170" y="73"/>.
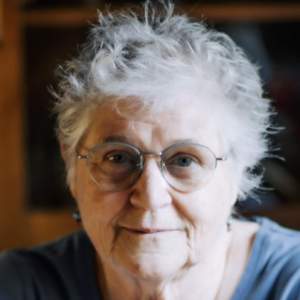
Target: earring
<point x="76" y="216"/>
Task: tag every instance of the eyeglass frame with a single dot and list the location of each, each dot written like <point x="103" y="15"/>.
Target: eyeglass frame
<point x="142" y="154"/>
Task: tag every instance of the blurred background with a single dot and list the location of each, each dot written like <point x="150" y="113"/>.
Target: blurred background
<point x="38" y="35"/>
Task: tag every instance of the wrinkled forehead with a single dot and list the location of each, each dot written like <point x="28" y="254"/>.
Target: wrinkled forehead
<point x="131" y="120"/>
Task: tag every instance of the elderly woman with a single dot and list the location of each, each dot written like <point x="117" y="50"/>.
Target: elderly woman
<point x="160" y="122"/>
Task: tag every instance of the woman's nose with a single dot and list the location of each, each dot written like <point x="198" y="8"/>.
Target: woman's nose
<point x="151" y="191"/>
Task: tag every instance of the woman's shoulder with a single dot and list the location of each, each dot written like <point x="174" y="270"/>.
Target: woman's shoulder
<point x="276" y="245"/>
<point x="49" y="271"/>
<point x="58" y="251"/>
<point x="273" y="268"/>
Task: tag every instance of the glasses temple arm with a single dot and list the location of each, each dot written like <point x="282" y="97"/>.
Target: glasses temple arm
<point x="223" y="158"/>
<point x="79" y="156"/>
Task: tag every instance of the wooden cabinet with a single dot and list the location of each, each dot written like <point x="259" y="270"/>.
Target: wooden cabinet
<point x="19" y="225"/>
<point x="12" y="215"/>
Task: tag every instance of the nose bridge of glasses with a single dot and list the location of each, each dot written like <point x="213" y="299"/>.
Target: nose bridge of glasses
<point x="152" y="172"/>
<point x="155" y="155"/>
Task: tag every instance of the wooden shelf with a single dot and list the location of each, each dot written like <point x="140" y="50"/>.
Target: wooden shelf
<point x="59" y="17"/>
<point x="47" y="226"/>
<point x="213" y="12"/>
<point x="246" y="12"/>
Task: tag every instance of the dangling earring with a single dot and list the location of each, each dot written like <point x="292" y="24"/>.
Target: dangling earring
<point x="76" y="216"/>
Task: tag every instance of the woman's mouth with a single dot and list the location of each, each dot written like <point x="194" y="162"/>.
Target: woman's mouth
<point x="145" y="231"/>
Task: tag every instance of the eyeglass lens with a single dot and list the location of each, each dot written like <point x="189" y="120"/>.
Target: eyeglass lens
<point x="117" y="166"/>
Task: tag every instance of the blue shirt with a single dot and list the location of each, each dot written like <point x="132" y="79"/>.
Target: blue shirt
<point x="273" y="270"/>
<point x="66" y="269"/>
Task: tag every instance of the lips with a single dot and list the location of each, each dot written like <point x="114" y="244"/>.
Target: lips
<point x="144" y="231"/>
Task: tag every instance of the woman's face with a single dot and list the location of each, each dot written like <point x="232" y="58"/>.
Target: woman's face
<point x="150" y="229"/>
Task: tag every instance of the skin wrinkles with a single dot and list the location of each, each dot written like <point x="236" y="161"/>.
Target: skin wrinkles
<point x="168" y="79"/>
<point x="155" y="262"/>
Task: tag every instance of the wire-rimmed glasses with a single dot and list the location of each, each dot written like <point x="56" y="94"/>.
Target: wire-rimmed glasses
<point x="116" y="166"/>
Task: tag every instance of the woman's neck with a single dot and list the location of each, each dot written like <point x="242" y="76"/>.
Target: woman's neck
<point x="199" y="281"/>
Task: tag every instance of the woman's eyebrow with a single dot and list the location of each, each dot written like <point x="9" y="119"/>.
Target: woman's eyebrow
<point x="126" y="139"/>
<point x="180" y="141"/>
<point x="116" y="138"/>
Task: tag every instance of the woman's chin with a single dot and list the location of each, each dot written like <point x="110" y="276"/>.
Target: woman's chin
<point x="154" y="257"/>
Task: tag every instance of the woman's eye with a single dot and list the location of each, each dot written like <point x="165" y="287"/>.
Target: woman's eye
<point x="118" y="158"/>
<point x="182" y="161"/>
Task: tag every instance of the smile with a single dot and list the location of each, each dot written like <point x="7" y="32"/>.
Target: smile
<point x="145" y="231"/>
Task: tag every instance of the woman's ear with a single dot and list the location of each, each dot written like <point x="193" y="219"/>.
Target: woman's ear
<point x="72" y="188"/>
<point x="233" y="184"/>
<point x="63" y="151"/>
<point x="70" y="173"/>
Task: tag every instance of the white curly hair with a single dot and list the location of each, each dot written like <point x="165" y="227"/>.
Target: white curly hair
<point x="152" y="55"/>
